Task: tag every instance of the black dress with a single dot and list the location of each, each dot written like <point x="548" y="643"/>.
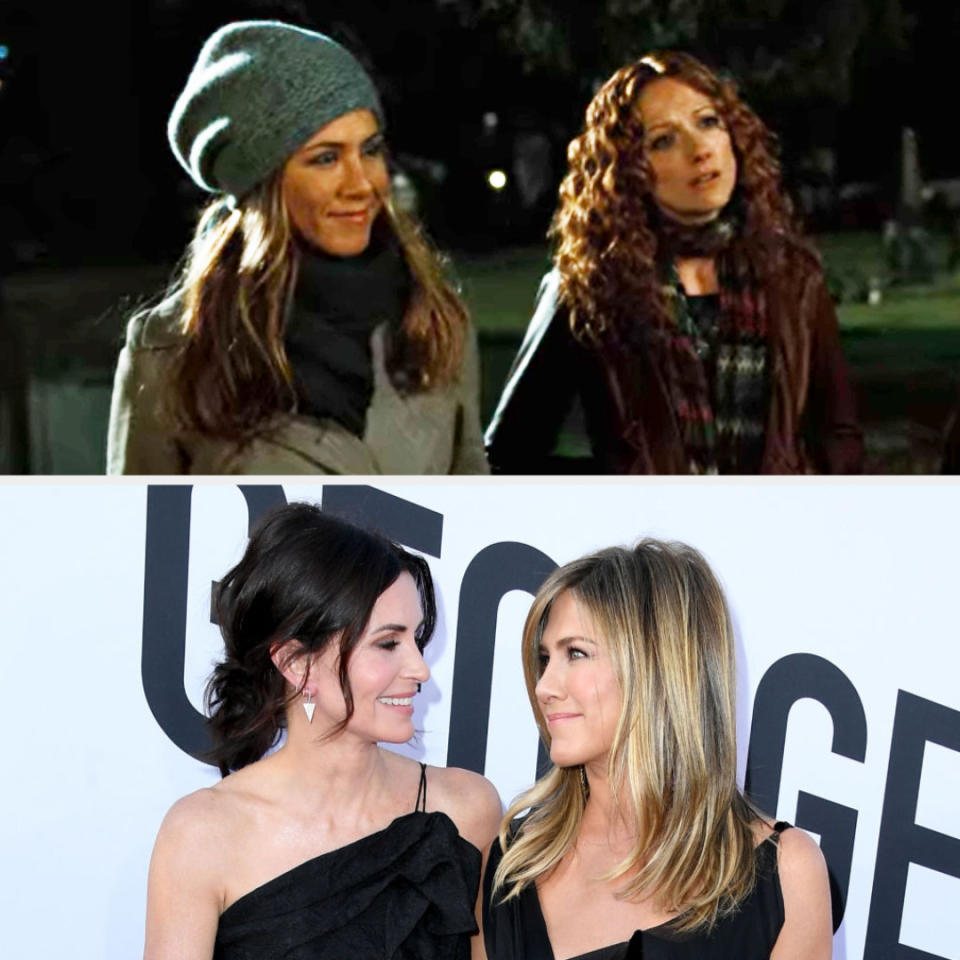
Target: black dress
<point x="404" y="893"/>
<point x="516" y="930"/>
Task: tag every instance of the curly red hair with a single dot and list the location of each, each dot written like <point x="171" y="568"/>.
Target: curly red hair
<point x="606" y="244"/>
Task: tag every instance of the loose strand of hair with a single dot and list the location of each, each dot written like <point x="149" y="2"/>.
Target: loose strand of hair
<point x="435" y="323"/>
<point x="694" y="845"/>
<point x="232" y="372"/>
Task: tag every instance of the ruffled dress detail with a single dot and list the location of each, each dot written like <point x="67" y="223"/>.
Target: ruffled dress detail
<point x="404" y="893"/>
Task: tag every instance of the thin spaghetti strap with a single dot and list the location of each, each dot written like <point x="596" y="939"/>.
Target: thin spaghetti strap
<point x="778" y="828"/>
<point x="422" y="790"/>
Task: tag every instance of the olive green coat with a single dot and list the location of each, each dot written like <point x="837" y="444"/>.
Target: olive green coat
<point x="434" y="432"/>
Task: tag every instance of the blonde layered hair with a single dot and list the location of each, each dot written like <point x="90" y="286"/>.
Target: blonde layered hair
<point x="672" y="765"/>
<point x="238" y="277"/>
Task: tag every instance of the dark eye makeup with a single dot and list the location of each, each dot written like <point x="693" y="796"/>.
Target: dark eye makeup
<point x="324" y="158"/>
<point x="663" y="141"/>
<point x="375" y="146"/>
<point x="570" y="651"/>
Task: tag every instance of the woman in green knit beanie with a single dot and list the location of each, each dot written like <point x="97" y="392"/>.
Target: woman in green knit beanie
<point x="310" y="328"/>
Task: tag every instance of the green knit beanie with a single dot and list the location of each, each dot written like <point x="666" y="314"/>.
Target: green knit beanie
<point x="258" y="91"/>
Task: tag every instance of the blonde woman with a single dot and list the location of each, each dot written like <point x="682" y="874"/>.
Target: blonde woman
<point x="638" y="841"/>
<point x="311" y="329"/>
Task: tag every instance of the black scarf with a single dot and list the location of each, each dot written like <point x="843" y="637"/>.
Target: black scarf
<point x="337" y="303"/>
<point x="709" y="239"/>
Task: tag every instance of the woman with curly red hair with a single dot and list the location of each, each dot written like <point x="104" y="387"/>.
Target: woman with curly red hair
<point x="684" y="307"/>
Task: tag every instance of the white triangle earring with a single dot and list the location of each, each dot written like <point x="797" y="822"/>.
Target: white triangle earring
<point x="308" y="705"/>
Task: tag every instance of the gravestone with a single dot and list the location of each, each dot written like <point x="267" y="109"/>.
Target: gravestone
<point x="906" y="241"/>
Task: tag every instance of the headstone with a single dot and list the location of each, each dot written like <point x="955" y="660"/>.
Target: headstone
<point x="906" y="242"/>
<point x="910" y="183"/>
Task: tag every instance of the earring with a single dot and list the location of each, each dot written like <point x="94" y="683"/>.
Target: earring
<point x="419" y="687"/>
<point x="308" y="705"/>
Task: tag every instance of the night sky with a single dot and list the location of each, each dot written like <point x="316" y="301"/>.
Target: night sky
<point x="85" y="166"/>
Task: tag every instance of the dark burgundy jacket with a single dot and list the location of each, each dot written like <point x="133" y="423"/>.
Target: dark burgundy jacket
<point x="811" y="423"/>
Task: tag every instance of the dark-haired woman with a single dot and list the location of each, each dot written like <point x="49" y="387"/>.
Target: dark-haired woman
<point x="684" y="308"/>
<point x="637" y="842"/>
<point x="311" y="329"/>
<point x="330" y="846"/>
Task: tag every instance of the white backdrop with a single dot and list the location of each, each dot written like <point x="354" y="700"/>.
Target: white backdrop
<point x="863" y="575"/>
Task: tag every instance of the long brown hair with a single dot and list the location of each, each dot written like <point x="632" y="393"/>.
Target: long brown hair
<point x="233" y="376"/>
<point x="606" y="243"/>
<point x="662" y="615"/>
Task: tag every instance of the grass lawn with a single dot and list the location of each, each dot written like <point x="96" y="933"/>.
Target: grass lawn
<point x="904" y="352"/>
<point x="501" y="288"/>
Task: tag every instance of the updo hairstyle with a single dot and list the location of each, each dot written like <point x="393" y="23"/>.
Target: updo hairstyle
<point x="305" y="579"/>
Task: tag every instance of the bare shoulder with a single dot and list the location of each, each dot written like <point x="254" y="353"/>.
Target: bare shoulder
<point x="460" y="786"/>
<point x="800" y="857"/>
<point x="807" y="931"/>
<point x="185" y="891"/>
<point x="204" y="825"/>
<point x="190" y="813"/>
<point x="469" y="799"/>
<point x="197" y="823"/>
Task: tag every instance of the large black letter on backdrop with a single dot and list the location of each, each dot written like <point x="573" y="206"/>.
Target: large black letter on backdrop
<point x="166" y="567"/>
<point x="902" y="840"/>
<point x="408" y="523"/>
<point x="790" y="679"/>
<point x="493" y="572"/>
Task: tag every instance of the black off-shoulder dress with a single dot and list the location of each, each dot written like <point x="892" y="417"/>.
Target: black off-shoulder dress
<point x="406" y="892"/>
<point x="516" y="930"/>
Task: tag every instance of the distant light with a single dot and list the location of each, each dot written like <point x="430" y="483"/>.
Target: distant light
<point x="404" y="192"/>
<point x="4" y="51"/>
<point x="497" y="179"/>
<point x="490" y="120"/>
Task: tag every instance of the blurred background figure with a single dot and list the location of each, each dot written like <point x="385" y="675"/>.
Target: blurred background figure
<point x="950" y="462"/>
<point x="684" y="309"/>
<point x="14" y="423"/>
